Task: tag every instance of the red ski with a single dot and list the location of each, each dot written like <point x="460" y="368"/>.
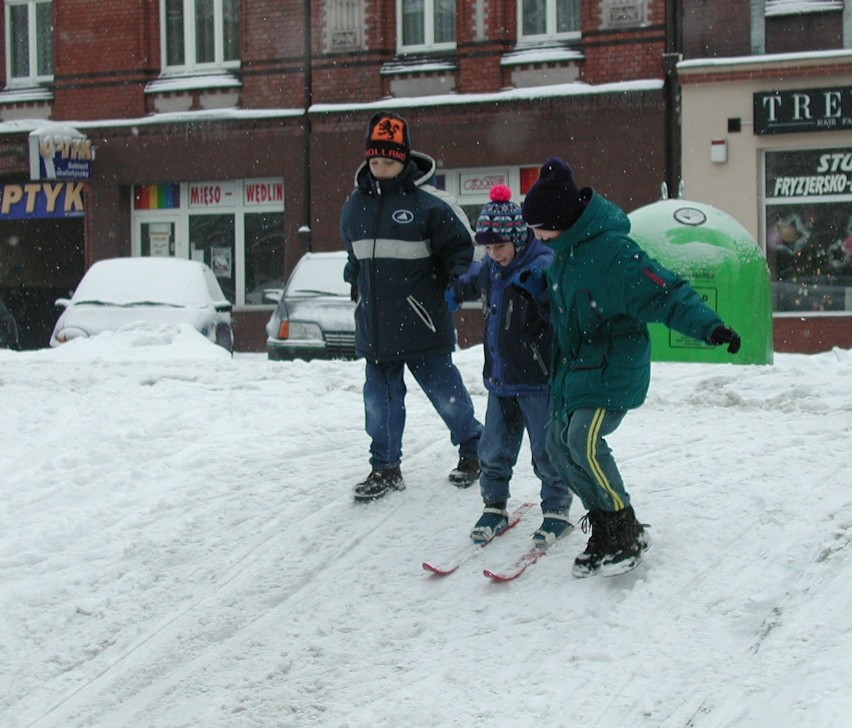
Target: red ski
<point x="470" y="550"/>
<point x="514" y="570"/>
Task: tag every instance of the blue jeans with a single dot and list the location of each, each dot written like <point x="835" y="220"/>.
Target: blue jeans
<point x="583" y="458"/>
<point x="505" y="421"/>
<point x="384" y="406"/>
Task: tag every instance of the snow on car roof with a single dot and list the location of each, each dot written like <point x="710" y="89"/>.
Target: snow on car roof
<point x="159" y="280"/>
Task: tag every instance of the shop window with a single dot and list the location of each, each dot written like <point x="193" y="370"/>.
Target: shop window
<point x="548" y="20"/>
<point x="426" y="25"/>
<point x="236" y="227"/>
<point x="211" y="241"/>
<point x="29" y="42"/>
<point x="264" y="236"/>
<point x="808" y="224"/>
<point x="200" y="36"/>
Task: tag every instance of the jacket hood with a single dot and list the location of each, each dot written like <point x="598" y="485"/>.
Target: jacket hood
<point x="419" y="171"/>
<point x="600" y="216"/>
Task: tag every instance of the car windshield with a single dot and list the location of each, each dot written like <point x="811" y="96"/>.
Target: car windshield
<point x="319" y="275"/>
<point x="143" y="282"/>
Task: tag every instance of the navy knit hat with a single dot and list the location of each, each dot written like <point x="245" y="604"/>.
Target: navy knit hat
<point x="501" y="221"/>
<point x="553" y="202"/>
<point x="387" y="136"/>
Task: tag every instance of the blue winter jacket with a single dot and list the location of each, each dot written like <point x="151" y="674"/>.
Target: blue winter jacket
<point x="518" y="335"/>
<point x="406" y="241"/>
<point x="604" y="289"/>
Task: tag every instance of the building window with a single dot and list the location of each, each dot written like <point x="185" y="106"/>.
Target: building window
<point x="808" y="223"/>
<point x="29" y="42"/>
<point x="234" y="226"/>
<point x="200" y="36"/>
<point x="426" y="25"/>
<point x="546" y="20"/>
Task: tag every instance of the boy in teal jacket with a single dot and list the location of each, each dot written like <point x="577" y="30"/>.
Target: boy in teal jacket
<point x="604" y="290"/>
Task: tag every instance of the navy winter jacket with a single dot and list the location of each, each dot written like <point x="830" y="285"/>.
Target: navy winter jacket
<point x="406" y="241"/>
<point x="518" y="336"/>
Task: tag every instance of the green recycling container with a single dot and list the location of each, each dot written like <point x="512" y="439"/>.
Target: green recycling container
<point x="723" y="263"/>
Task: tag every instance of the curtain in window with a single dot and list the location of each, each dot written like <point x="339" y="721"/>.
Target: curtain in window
<point x="44" y="39"/>
<point x="534" y="17"/>
<point x="445" y="21"/>
<point x="205" y="32"/>
<point x="175" y="51"/>
<point x="567" y="16"/>
<point x="413" y="29"/>
<point x="19" y="38"/>
<point x="231" y="30"/>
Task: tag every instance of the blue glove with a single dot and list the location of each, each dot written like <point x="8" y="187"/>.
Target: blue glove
<point x="450" y="298"/>
<point x="532" y="281"/>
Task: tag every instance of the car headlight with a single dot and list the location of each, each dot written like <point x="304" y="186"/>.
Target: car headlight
<point x="70" y="332"/>
<point x="299" y="330"/>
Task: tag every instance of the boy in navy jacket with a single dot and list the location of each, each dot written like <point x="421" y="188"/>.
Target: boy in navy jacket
<point x="517" y="349"/>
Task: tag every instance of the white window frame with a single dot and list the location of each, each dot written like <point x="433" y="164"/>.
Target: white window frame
<point x="191" y="66"/>
<point x="429" y="45"/>
<point x="33" y="78"/>
<point x="550" y="34"/>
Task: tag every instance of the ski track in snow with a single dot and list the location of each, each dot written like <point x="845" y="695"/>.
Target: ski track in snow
<point x="214" y="571"/>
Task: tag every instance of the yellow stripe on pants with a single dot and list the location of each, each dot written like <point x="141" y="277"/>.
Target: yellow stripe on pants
<point x="592" y="457"/>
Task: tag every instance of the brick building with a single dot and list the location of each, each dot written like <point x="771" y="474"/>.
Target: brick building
<point x="236" y="126"/>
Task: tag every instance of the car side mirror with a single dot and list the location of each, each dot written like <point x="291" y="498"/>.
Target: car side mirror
<point x="223" y="306"/>
<point x="272" y="295"/>
<point x="62" y="302"/>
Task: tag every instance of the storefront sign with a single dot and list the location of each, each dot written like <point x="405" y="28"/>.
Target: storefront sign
<point x="481" y="184"/>
<point x="823" y="173"/>
<point x="40" y="200"/>
<point x="816" y="109"/>
<point x="60" y="153"/>
<point x="211" y="194"/>
<point x="263" y="192"/>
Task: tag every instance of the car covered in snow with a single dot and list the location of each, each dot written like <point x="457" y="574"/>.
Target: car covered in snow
<point x="315" y="318"/>
<point x="119" y="292"/>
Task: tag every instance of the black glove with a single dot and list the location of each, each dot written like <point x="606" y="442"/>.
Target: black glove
<point x="531" y="281"/>
<point x="353" y="294"/>
<point x="726" y="335"/>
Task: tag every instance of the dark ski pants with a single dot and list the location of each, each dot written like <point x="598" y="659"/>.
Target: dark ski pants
<point x="584" y="460"/>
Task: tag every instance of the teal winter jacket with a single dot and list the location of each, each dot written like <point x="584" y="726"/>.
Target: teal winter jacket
<point x="604" y="290"/>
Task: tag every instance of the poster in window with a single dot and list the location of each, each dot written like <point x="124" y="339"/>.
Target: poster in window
<point x="220" y="262"/>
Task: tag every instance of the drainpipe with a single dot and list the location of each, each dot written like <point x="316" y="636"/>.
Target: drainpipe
<point x="305" y="229"/>
<point x="671" y="92"/>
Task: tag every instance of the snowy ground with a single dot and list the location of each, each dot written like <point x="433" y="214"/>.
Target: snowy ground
<point x="179" y="547"/>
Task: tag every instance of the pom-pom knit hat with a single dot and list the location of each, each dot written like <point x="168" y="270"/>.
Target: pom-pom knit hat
<point x="501" y="221"/>
<point x="387" y="136"/>
<point x="553" y="202"/>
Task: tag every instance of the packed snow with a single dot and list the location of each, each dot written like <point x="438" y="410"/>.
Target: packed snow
<point x="179" y="547"/>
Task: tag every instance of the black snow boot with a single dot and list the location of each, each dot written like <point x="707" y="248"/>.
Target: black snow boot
<point x="588" y="562"/>
<point x="378" y="483"/>
<point x="465" y="473"/>
<point x="627" y="542"/>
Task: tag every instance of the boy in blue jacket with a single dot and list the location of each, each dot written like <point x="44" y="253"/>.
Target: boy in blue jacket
<point x="604" y="290"/>
<point x="517" y="363"/>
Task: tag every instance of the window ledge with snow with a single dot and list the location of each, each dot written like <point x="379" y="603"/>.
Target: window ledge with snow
<point x="525" y="56"/>
<point x="171" y="84"/>
<point x="776" y="8"/>
<point x="420" y="65"/>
